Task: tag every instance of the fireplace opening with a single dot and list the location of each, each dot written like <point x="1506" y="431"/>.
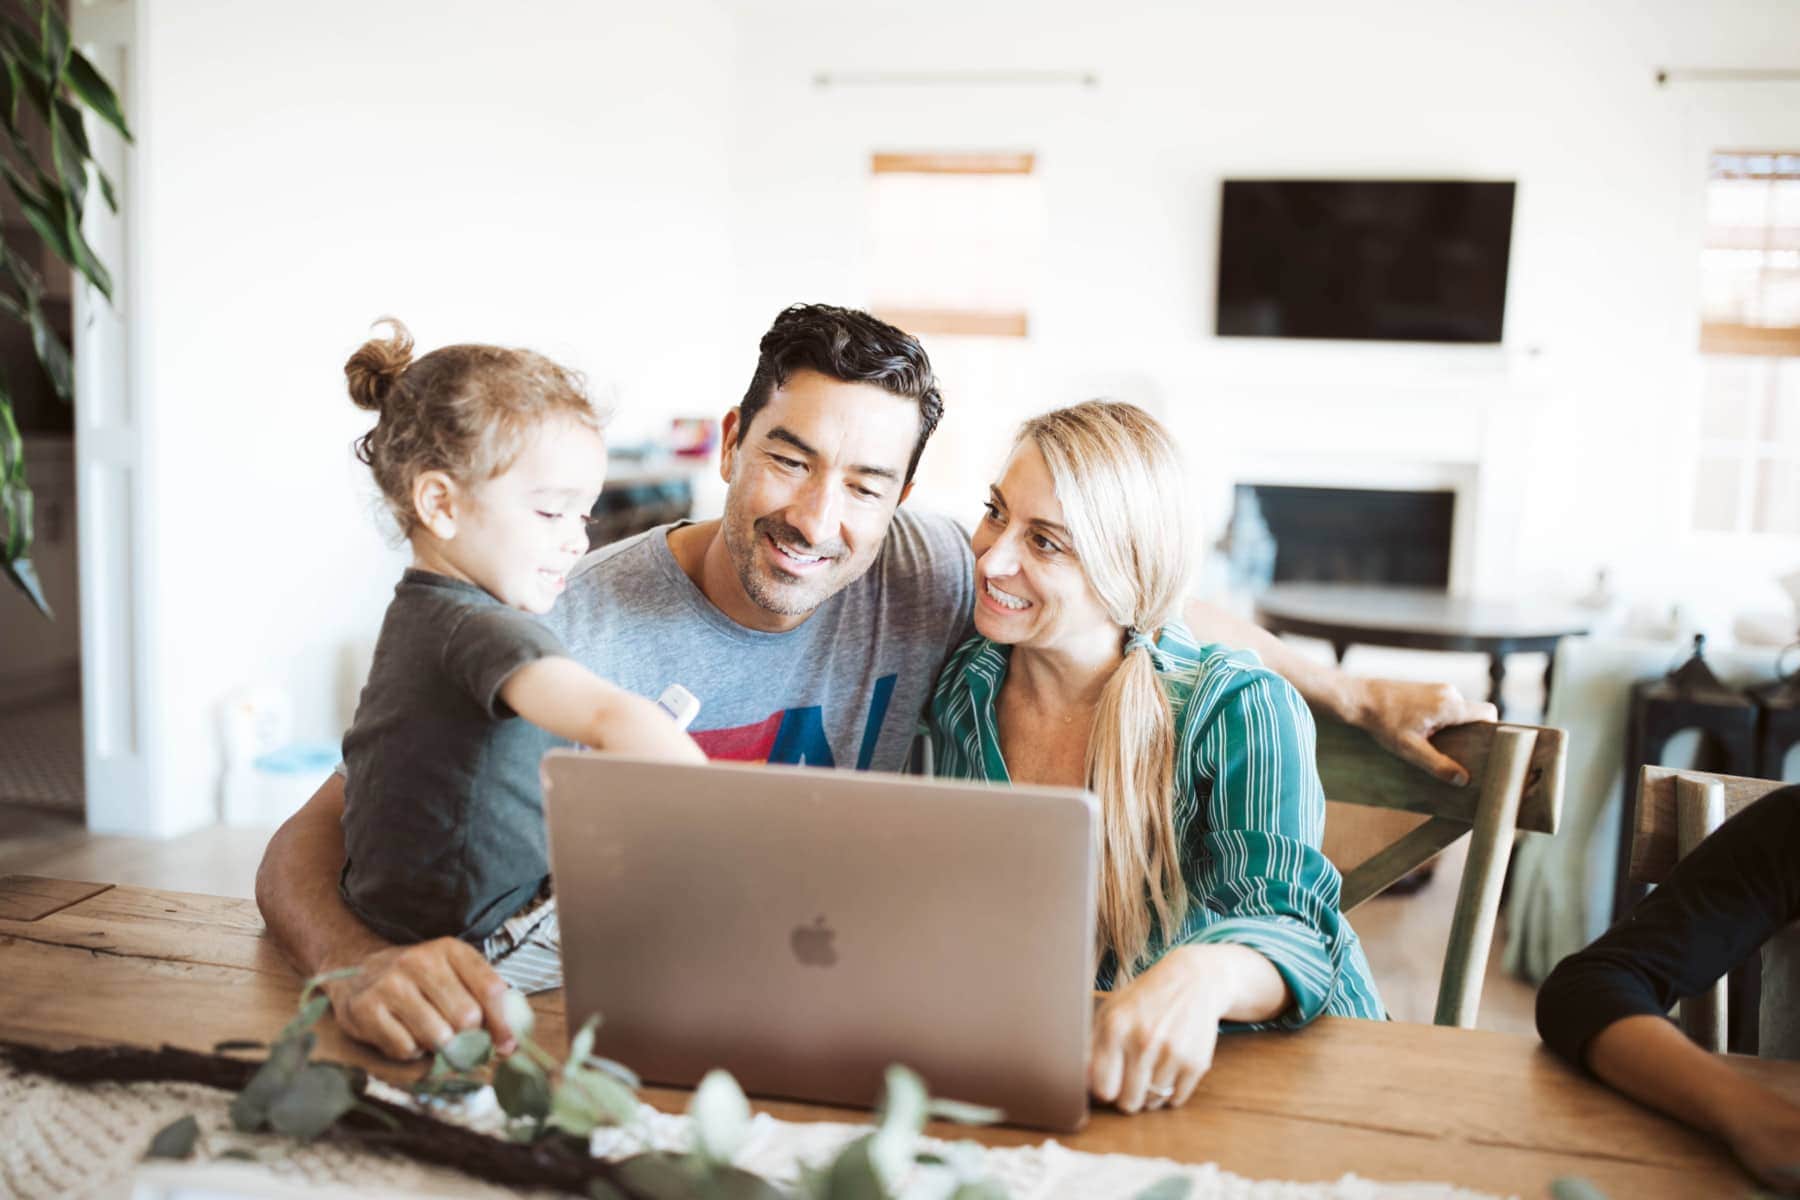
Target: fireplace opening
<point x="1354" y="535"/>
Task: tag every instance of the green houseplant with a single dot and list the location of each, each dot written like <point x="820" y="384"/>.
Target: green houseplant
<point x="48" y="165"/>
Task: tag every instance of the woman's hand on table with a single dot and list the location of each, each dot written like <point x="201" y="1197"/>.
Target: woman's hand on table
<point x="1153" y="1038"/>
<point x="1403" y="715"/>
<point x="409" y="1000"/>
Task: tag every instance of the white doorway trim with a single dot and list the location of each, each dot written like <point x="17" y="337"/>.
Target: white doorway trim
<point x="113" y="509"/>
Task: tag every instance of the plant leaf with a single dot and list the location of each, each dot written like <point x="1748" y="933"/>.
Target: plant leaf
<point x="91" y="88"/>
<point x="176" y="1139"/>
<point x="250" y="1107"/>
<point x="721" y="1118"/>
<point x="583" y="1043"/>
<point x="599" y="1189"/>
<point x="735" y="1183"/>
<point x="903" y="1108"/>
<point x="84" y="260"/>
<point x="964" y="1114"/>
<point x="443" y="1087"/>
<point x="468" y="1050"/>
<point x="318" y="1096"/>
<point x="522" y="1089"/>
<point x="1169" y="1187"/>
<point x="51" y="353"/>
<point x="518" y="1013"/>
<point x="852" y="1175"/>
<point x="24" y="576"/>
<point x="315" y="982"/>
<point x="306" y="1018"/>
<point x="53" y="32"/>
<point x="1574" y="1187"/>
<point x="617" y="1070"/>
<point x="987" y="1189"/>
<point x="658" y="1175"/>
<point x="587" y="1099"/>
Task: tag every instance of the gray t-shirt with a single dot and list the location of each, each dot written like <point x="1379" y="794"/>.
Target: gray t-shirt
<point x="443" y="815"/>
<point x="844" y="689"/>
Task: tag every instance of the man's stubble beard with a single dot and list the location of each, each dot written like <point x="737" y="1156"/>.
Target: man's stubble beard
<point x="793" y="600"/>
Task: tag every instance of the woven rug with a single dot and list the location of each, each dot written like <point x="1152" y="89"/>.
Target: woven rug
<point x="59" y="1139"/>
<point x="40" y="755"/>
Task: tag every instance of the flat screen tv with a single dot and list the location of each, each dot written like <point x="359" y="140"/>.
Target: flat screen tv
<point x="1403" y="261"/>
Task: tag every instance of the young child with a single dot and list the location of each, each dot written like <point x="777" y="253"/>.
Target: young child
<point x="490" y="459"/>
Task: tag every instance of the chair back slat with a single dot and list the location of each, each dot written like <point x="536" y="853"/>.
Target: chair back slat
<point x="1357" y="770"/>
<point x="1655" y="846"/>
<point x="1516" y="781"/>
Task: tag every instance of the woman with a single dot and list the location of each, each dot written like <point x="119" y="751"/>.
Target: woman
<point x="1215" y="902"/>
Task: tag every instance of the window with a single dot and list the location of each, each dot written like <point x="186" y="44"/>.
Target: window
<point x="1748" y="476"/>
<point x="956" y="241"/>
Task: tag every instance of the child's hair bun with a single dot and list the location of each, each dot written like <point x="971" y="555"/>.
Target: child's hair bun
<point x="378" y="364"/>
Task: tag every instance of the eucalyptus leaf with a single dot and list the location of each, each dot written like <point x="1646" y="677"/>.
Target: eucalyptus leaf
<point x="1169" y="1187"/>
<point x="585" y="1100"/>
<point x="735" y="1183"/>
<point x="176" y="1139"/>
<point x="518" y="1013"/>
<point x="315" y="982"/>
<point x="443" y="1087"/>
<point x="658" y="1176"/>
<point x="91" y="88"/>
<point x="583" y="1043"/>
<point x="1574" y="1187"/>
<point x="250" y="1107"/>
<point x="313" y="1102"/>
<point x="903" y="1107"/>
<point x="852" y="1174"/>
<point x="617" y="1070"/>
<point x="964" y="1114"/>
<point x="721" y="1118"/>
<point x="987" y="1189"/>
<point x="306" y="1018"/>
<point x="468" y="1050"/>
<point x="521" y="1089"/>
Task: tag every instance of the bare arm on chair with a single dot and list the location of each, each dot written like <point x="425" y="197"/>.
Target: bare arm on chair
<point x="1399" y="714"/>
<point x="403" y="999"/>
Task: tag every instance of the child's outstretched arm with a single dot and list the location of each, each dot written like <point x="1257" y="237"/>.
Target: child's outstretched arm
<point x="564" y="697"/>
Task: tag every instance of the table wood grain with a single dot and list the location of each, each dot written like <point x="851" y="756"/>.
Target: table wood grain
<point x="1388" y="1101"/>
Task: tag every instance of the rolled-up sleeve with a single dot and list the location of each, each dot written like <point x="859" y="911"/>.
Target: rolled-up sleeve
<point x="1261" y="880"/>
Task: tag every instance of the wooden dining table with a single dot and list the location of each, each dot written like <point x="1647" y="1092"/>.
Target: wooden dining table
<point x="84" y="963"/>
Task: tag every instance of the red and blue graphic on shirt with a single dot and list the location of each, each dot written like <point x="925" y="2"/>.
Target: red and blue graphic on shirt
<point x="796" y="736"/>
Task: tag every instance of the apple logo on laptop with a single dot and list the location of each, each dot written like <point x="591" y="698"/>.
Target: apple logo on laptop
<point x="812" y="943"/>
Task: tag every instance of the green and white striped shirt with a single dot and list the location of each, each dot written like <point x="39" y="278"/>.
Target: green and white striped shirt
<point x="1249" y="813"/>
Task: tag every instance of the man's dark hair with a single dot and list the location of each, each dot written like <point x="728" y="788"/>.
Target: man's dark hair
<point x="849" y="346"/>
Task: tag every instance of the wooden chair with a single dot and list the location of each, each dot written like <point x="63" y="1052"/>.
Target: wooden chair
<point x="1515" y="782"/>
<point x="1676" y="810"/>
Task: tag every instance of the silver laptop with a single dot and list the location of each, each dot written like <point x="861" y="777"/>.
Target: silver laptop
<point x="805" y="928"/>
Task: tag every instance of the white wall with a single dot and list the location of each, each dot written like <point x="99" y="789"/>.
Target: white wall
<point x="1579" y="429"/>
<point x="554" y="177"/>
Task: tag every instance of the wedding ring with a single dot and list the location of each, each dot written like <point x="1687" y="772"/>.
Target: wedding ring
<point x="1161" y="1096"/>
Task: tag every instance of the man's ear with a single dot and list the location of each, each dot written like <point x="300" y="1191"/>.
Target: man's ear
<point x="728" y="444"/>
<point x="904" y="493"/>
<point x="435" y="503"/>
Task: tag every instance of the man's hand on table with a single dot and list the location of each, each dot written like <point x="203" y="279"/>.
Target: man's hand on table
<point x="1402" y="716"/>
<point x="409" y="1000"/>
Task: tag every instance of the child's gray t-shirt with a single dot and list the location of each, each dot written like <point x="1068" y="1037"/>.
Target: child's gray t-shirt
<point x="846" y="688"/>
<point x="443" y="813"/>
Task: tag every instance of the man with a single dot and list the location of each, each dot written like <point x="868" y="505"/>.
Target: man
<point x="811" y="620"/>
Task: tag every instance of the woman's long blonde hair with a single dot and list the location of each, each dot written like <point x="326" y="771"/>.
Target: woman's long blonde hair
<point x="1120" y="482"/>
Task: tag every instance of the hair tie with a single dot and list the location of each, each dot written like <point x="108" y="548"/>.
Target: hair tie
<point x="1137" y="639"/>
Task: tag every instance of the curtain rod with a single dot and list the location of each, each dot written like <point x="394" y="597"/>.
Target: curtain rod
<point x="1668" y="75"/>
<point x="829" y="79"/>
